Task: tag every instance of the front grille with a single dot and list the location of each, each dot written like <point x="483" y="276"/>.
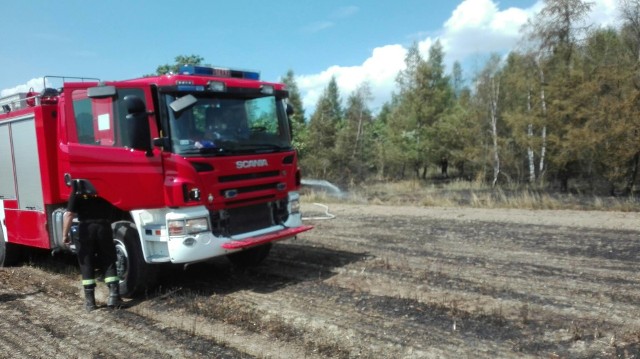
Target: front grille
<point x="248" y="176"/>
<point x="249" y="218"/>
<point x="249" y="189"/>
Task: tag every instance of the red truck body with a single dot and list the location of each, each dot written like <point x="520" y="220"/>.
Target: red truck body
<point x="196" y="165"/>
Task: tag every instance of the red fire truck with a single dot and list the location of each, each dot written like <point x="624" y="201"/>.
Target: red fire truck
<point x="197" y="165"/>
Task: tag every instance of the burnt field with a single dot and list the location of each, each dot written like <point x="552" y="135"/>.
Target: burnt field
<point x="374" y="282"/>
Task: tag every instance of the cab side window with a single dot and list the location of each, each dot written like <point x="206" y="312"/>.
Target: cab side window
<point x="84" y="121"/>
<point x="93" y="120"/>
<point x="102" y="121"/>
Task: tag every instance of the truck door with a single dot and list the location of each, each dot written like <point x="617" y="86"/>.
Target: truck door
<point x="98" y="151"/>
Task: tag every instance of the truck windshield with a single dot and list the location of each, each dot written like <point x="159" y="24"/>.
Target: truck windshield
<point x="229" y="125"/>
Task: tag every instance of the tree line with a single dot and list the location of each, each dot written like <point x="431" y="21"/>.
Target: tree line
<point x="563" y="108"/>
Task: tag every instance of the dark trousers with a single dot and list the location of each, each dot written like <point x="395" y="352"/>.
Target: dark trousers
<point x="96" y="250"/>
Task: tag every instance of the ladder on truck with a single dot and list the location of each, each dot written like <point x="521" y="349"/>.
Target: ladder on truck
<point x="22" y="100"/>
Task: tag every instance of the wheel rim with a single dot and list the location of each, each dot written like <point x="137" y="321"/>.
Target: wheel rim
<point x="122" y="260"/>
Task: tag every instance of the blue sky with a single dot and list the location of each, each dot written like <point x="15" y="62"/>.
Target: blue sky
<point x="355" y="41"/>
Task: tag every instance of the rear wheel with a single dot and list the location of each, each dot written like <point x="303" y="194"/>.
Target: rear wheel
<point x="10" y="253"/>
<point x="136" y="275"/>
<point x="250" y="257"/>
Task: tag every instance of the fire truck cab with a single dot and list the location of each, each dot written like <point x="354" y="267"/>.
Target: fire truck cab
<point x="197" y="165"/>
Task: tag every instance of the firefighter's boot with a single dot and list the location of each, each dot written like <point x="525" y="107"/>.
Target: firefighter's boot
<point x="89" y="299"/>
<point x="114" y="300"/>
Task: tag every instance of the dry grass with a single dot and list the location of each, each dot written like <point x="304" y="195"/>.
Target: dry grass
<point x="471" y="194"/>
<point x="243" y="314"/>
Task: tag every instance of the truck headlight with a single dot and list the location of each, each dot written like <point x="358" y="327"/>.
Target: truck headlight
<point x="197" y="225"/>
<point x="180" y="227"/>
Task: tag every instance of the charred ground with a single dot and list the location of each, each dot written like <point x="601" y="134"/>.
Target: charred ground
<point x="375" y="282"/>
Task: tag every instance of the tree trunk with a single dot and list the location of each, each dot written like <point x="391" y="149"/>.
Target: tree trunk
<point x="543" y="103"/>
<point x="530" y="156"/>
<point x="543" y="151"/>
<point x="495" y="91"/>
<point x="634" y="174"/>
<point x="358" y="134"/>
<point x="460" y="167"/>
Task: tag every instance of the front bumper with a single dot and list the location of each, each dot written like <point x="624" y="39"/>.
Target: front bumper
<point x="159" y="247"/>
<point x="265" y="238"/>
<point x="187" y="249"/>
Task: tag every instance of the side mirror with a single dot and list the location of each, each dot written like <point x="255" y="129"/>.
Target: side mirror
<point x="162" y="142"/>
<point x="290" y="110"/>
<point x="135" y="105"/>
<point x="138" y="127"/>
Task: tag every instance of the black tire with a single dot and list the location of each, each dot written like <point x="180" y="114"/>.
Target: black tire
<point x="250" y="257"/>
<point x="10" y="254"/>
<point x="136" y="275"/>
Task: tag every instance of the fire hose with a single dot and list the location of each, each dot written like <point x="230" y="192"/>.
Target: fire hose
<point x="326" y="212"/>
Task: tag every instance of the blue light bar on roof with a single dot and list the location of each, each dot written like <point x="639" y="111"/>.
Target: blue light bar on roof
<point x="218" y="72"/>
<point x="250" y="75"/>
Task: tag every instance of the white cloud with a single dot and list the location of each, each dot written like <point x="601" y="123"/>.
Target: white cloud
<point x="35" y="84"/>
<point x="476" y="27"/>
<point x="318" y="26"/>
<point x="605" y="13"/>
<point x="380" y="70"/>
<point x="479" y="27"/>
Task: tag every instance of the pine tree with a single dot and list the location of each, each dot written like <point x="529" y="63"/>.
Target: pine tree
<point x="323" y="126"/>
<point x="298" y="121"/>
<point x="425" y="95"/>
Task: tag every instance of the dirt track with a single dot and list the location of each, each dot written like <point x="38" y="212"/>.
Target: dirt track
<point x="375" y="282"/>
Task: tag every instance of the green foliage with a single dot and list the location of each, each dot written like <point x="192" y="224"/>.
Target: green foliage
<point x="323" y="129"/>
<point x="298" y="121"/>
<point x="354" y="137"/>
<point x="564" y="112"/>
<point x="180" y="60"/>
<point x="425" y="97"/>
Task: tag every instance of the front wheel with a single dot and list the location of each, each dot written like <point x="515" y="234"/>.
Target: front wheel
<point x="136" y="275"/>
<point x="10" y="254"/>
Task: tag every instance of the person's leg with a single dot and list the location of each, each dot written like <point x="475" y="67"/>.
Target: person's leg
<point x="107" y="255"/>
<point x="86" y="255"/>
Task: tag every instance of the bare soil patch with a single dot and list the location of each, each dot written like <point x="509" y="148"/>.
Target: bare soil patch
<point x="374" y="282"/>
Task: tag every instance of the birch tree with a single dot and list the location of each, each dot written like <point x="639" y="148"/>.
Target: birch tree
<point x="353" y="148"/>
<point x="488" y="97"/>
<point x="556" y="32"/>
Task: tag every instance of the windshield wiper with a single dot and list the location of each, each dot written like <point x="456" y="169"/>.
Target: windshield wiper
<point x="229" y="147"/>
<point x="204" y="150"/>
<point x="263" y="146"/>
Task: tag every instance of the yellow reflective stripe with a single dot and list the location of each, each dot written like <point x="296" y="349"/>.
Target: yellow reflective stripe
<point x="86" y="282"/>
<point x="111" y="279"/>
